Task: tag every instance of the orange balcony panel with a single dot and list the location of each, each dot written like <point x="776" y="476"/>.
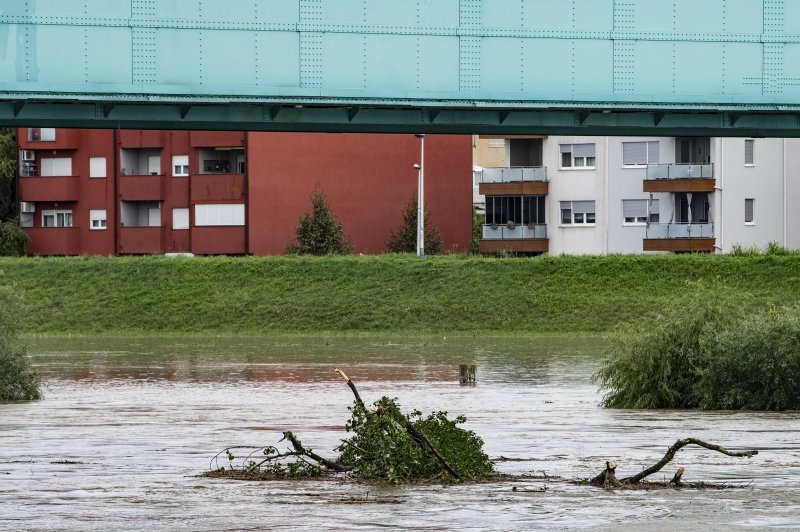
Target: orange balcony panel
<point x="141" y="187"/>
<point x="49" y="189"/>
<point x="217" y="187"/>
<point x="138" y="138"/>
<point x="536" y="188"/>
<point x="216" y="139"/>
<point x="679" y="185"/>
<point x="141" y="240"/>
<point x="53" y="240"/>
<point x="218" y="240"/>
<point x="515" y="246"/>
<point x="692" y="245"/>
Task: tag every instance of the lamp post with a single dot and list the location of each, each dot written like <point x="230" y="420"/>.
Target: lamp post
<point x="421" y="197"/>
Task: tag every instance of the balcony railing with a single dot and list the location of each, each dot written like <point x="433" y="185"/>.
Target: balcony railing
<point x="680" y="171"/>
<point x="680" y="230"/>
<point x="519" y="232"/>
<point x="514" y="174"/>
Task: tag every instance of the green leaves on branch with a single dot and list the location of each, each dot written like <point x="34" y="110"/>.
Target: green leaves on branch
<point x="12" y="239"/>
<point x="705" y="352"/>
<point x="18" y="380"/>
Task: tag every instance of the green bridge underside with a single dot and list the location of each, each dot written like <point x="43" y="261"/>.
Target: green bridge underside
<point x="621" y="67"/>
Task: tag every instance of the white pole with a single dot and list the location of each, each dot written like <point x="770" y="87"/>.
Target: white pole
<point x="421" y="199"/>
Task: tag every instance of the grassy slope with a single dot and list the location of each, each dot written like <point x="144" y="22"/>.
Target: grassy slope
<point x="386" y="294"/>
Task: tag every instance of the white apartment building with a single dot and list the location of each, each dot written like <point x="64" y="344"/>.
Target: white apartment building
<point x="598" y="195"/>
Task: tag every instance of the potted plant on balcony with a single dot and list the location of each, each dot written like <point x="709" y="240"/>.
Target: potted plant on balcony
<point x="511" y="224"/>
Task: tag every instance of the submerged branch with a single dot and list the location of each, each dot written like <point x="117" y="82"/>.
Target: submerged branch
<point x="670" y="454"/>
<point x="329" y="464"/>
<point x="352" y="387"/>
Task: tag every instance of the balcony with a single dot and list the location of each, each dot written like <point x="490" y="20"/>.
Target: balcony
<point x="513" y="181"/>
<point x="530" y="238"/>
<point x="53" y="240"/>
<point x="141" y="187"/>
<point x="201" y="139"/>
<point x="694" y="237"/>
<point x="141" y="240"/>
<point x="218" y="240"/>
<point x="49" y="188"/>
<point x="217" y="187"/>
<point x="679" y="178"/>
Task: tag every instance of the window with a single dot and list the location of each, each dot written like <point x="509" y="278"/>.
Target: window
<point x="97" y="219"/>
<point x="219" y="214"/>
<point x="577" y="156"/>
<point x="180" y="165"/>
<point x="43" y="134"/>
<point x="749" y="206"/>
<point x="180" y="218"/>
<point x="577" y="213"/>
<point x="57" y="167"/>
<point x="639" y="153"/>
<point x="56" y="218"/>
<point x="634" y="212"/>
<point x="26" y="219"/>
<point x="749" y="152"/>
<point x="97" y="167"/>
<point x="518" y="209"/>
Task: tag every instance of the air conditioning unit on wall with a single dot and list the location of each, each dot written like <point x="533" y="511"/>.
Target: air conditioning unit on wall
<point x="27" y="206"/>
<point x="28" y="155"/>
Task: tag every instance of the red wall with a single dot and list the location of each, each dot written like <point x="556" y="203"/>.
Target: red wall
<point x="368" y="179"/>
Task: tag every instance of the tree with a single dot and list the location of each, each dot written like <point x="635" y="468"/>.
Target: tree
<point x="8" y="173"/>
<point x="12" y="239"/>
<point x="319" y="232"/>
<point x="404" y="240"/>
<point x="18" y="381"/>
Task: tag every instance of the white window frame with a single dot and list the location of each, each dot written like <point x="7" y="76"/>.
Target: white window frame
<point x="575" y="160"/>
<point x="54" y="213"/>
<point x="51" y="167"/>
<point x="752" y="143"/>
<point x="46" y="134"/>
<point x="179" y="213"/>
<point x="205" y="213"/>
<point x="101" y="217"/>
<point x="640" y="221"/>
<point x="98" y="167"/>
<point x="752" y="211"/>
<point x="647" y="147"/>
<point x="577" y="219"/>
<point x="26" y="219"/>
<point x="180" y="166"/>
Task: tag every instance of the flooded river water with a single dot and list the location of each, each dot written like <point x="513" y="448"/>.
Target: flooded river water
<point x="127" y="425"/>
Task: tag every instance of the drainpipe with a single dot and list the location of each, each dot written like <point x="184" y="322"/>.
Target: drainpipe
<point x="720" y="188"/>
<point x="246" y="192"/>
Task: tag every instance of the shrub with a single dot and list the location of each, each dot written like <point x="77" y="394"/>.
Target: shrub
<point x="774" y="248"/>
<point x="755" y="365"/>
<point x="404" y="240"/>
<point x="477" y="230"/>
<point x="12" y="239"/>
<point x="18" y="381"/>
<point x="319" y="232"/>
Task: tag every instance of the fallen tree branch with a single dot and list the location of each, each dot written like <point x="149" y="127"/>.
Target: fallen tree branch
<point x="670" y="454"/>
<point x="352" y="387"/>
<point x="607" y="477"/>
<point x="419" y="436"/>
<point x="329" y="464"/>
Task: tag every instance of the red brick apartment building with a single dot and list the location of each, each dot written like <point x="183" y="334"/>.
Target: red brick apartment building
<point x="116" y="192"/>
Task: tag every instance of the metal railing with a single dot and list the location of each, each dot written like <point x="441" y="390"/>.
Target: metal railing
<point x="680" y="230"/>
<point x="513" y="174"/>
<point x="680" y="171"/>
<point x="518" y="232"/>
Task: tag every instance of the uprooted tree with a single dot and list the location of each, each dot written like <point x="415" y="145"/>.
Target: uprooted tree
<point x="387" y="445"/>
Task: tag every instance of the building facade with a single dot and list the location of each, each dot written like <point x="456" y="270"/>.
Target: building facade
<point x="597" y="195"/>
<point x="117" y="192"/>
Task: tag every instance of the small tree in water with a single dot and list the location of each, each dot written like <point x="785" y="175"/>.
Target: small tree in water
<point x="18" y="381"/>
<point x="319" y="232"/>
<point x="404" y="240"/>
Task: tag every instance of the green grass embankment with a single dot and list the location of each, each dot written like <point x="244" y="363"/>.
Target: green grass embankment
<point x="376" y="295"/>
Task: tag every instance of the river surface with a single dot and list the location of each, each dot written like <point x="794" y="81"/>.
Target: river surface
<point x="127" y="425"/>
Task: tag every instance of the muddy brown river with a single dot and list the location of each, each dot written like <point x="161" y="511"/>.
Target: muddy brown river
<point x="127" y="425"/>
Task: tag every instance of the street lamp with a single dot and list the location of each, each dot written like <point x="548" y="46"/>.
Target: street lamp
<point x="421" y="197"/>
